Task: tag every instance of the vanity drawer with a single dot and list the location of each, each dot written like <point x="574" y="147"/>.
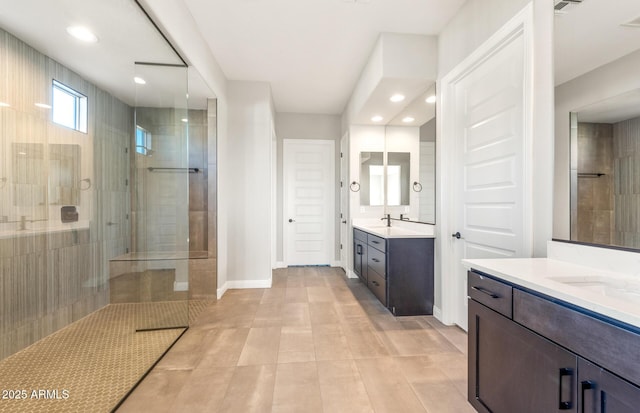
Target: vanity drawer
<point x="377" y="243"/>
<point x="378" y="286"/>
<point x="377" y="260"/>
<point x="360" y="235"/>
<point x="492" y="293"/>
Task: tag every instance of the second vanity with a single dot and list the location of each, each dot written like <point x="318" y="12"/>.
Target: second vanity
<point x="550" y="335"/>
<point x="396" y="264"/>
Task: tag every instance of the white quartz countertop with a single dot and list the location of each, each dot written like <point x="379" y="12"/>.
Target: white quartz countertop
<point x="394" y="231"/>
<point x="612" y="294"/>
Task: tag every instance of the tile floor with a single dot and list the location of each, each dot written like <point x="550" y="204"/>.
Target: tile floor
<point x="314" y="342"/>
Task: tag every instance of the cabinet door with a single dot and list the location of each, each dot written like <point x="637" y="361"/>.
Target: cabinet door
<point x="360" y="259"/>
<point x="602" y="392"/>
<point x="512" y="369"/>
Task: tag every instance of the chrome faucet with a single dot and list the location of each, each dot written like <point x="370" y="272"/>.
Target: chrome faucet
<point x="388" y="218"/>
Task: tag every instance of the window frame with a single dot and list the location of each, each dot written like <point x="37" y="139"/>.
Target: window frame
<point x="80" y="106"/>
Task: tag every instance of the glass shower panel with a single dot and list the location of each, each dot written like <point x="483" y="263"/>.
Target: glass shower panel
<point x="160" y="195"/>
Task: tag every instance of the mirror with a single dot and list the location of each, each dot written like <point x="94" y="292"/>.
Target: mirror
<point x="29" y="175"/>
<point x="64" y="174"/>
<point x="371" y="179"/>
<point x="398" y="175"/>
<point x="410" y="140"/>
<point x="597" y="118"/>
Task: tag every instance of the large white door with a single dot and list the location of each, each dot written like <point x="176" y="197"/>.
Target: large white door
<point x="488" y="122"/>
<point x="309" y="202"/>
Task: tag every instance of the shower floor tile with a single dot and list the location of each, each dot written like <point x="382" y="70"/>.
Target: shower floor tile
<point x="90" y="365"/>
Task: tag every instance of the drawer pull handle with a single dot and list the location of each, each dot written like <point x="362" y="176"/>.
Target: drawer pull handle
<point x="584" y="386"/>
<point x="375" y="260"/>
<point x="375" y="242"/>
<point x="359" y="249"/>
<point x="562" y="404"/>
<point x="375" y="283"/>
<point x="485" y="291"/>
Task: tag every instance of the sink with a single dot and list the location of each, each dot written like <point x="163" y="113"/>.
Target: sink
<point x="627" y="289"/>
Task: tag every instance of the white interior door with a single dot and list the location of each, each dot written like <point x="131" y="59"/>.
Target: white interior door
<point x="309" y="201"/>
<point x="488" y="121"/>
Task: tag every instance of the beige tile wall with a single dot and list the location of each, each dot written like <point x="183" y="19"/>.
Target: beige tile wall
<point x="595" y="220"/>
<point x="627" y="182"/>
<point x="50" y="280"/>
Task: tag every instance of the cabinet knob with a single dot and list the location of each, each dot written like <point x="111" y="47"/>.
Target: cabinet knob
<point x="292" y="220"/>
<point x="456" y="235"/>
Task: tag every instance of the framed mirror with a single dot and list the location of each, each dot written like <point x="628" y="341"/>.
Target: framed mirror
<point x="597" y="131"/>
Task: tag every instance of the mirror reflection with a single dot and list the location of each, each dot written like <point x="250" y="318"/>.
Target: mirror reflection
<point x="371" y="179"/>
<point x="598" y="116"/>
<point x="398" y="175"/>
<point x="64" y="174"/>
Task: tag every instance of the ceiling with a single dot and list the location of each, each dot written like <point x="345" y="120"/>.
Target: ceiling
<point x="311" y="52"/>
<point x="125" y="36"/>
<point x="590" y="35"/>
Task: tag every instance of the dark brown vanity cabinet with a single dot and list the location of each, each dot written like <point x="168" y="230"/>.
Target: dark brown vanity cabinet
<point x="398" y="271"/>
<point x="529" y="354"/>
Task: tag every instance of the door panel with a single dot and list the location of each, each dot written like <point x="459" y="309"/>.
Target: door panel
<point x="309" y="225"/>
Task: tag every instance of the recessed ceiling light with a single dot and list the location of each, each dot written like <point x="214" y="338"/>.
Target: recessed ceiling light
<point x="43" y="105"/>
<point x="376" y="118"/>
<point x="397" y="98"/>
<point x="4" y="105"/>
<point x="82" y="33"/>
<point x="185" y="120"/>
<point x="408" y="119"/>
<point x="431" y="99"/>
<point x="139" y="80"/>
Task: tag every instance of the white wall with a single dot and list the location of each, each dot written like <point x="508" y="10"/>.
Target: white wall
<point x="305" y="126"/>
<point x="249" y="216"/>
<point x="610" y="80"/>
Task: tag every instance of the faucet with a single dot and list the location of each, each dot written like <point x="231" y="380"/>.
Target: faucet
<point x="388" y="218"/>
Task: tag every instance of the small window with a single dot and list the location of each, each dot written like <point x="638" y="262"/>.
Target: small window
<point x="69" y="107"/>
<point x="143" y="141"/>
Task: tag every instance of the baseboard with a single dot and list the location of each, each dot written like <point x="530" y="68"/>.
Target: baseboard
<point x="220" y="292"/>
<point x="336" y="264"/>
<point x="180" y="286"/>
<point x="351" y="274"/>
<point x="437" y="313"/>
<point x="280" y="264"/>
<point x="243" y="284"/>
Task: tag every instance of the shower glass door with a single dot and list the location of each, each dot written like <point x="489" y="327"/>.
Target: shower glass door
<point x="160" y="196"/>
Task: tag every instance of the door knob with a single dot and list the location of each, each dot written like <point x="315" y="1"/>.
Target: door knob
<point x="456" y="235"/>
<point x="291" y="220"/>
<point x="344" y="221"/>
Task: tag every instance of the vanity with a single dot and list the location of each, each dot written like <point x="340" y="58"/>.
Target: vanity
<point x="396" y="264"/>
<point x="548" y="335"/>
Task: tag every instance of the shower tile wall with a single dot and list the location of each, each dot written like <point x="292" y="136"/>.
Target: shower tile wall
<point x="595" y="195"/>
<point x="49" y="279"/>
<point x="626" y="149"/>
